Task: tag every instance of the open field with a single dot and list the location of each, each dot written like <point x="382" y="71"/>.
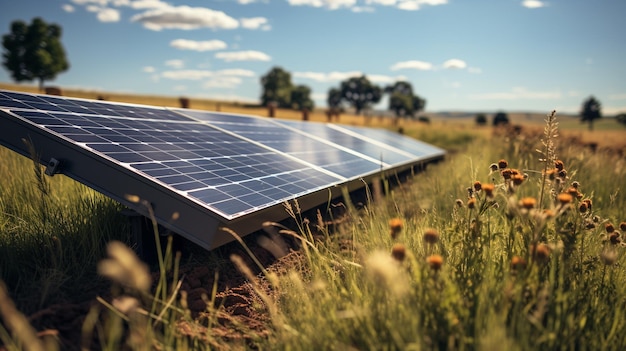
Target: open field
<point x="512" y="264"/>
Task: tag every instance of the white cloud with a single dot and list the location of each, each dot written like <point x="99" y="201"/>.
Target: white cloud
<point x="108" y="15"/>
<point x="330" y="4"/>
<point x="249" y="55"/>
<point x="222" y="82"/>
<point x="175" y="63"/>
<point x="86" y="2"/>
<point x="379" y="78"/>
<point x="148" y="69"/>
<point x="518" y="93"/>
<point x="381" y="2"/>
<point x="208" y="45"/>
<point x="533" y="4"/>
<point x="185" y="17"/>
<point x="361" y="9"/>
<point x="413" y="64"/>
<point x="454" y="64"/>
<point x="146" y="4"/>
<point x="246" y="2"/>
<point x="255" y="23"/>
<point x="67" y="8"/>
<point x="327" y="77"/>
<point x="407" y="5"/>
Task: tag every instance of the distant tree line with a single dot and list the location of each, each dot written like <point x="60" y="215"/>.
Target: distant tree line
<point x="356" y="92"/>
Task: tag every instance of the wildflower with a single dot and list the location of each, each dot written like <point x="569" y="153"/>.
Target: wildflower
<point x="590" y="225"/>
<point x="493" y="167"/>
<point x="614" y="238"/>
<point x="395" y="227"/>
<point x="459" y="202"/>
<point x="551" y="173"/>
<point x="503" y="164"/>
<point x="608" y="257"/>
<point x="564" y="198"/>
<point x="575" y="184"/>
<point x="477" y="185"/>
<point x="573" y="191"/>
<point x="517" y="179"/>
<point x="588" y="202"/>
<point x="562" y="174"/>
<point x="435" y="262"/>
<point x="398" y="252"/>
<point x="559" y="165"/>
<point x="518" y="263"/>
<point x="582" y="208"/>
<point x="488" y="189"/>
<point x="431" y="236"/>
<point x="528" y="203"/>
<point x="471" y="203"/>
<point x="506" y="173"/>
<point x="540" y="252"/>
<point x="548" y="213"/>
<point x="609" y="228"/>
<point x="622" y="226"/>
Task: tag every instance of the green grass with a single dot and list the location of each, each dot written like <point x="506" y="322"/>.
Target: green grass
<point x="515" y="274"/>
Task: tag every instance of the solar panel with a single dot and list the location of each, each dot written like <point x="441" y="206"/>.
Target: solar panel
<point x="212" y="169"/>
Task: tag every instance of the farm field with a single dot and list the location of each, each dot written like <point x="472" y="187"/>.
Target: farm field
<point x="514" y="242"/>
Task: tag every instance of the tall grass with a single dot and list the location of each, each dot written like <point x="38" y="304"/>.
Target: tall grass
<point x="514" y="244"/>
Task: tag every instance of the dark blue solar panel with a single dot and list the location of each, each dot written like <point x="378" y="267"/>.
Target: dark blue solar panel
<point x="401" y="143"/>
<point x="342" y="161"/>
<point x="226" y="173"/>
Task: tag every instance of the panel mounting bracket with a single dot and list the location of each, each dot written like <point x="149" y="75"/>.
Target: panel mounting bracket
<point x="52" y="167"/>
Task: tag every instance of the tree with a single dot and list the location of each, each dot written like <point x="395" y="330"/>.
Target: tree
<point x="501" y="118"/>
<point x="34" y="51"/>
<point x="301" y="98"/>
<point x="481" y="119"/>
<point x="621" y="118"/>
<point x="277" y="88"/>
<point x="402" y="100"/>
<point x="334" y="99"/>
<point x="360" y="93"/>
<point x="591" y="111"/>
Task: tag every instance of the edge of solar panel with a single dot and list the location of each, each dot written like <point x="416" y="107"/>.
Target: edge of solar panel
<point x="200" y="222"/>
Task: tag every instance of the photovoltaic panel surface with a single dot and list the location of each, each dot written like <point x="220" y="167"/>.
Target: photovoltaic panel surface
<point x="212" y="169"/>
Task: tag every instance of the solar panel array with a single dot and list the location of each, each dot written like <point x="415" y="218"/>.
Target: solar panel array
<point x="230" y="166"/>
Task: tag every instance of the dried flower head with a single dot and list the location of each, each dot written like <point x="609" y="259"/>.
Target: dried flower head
<point x="609" y="228"/>
<point x="528" y="203"/>
<point x="517" y="179"/>
<point x="459" y="202"/>
<point x="506" y="173"/>
<point x="488" y="189"/>
<point x="541" y="252"/>
<point x="562" y="174"/>
<point x="518" y="263"/>
<point x="548" y="213"/>
<point x="559" y="165"/>
<point x="564" y="198"/>
<point x="622" y="226"/>
<point x="398" y="252"/>
<point x="435" y="262"/>
<point x="551" y="173"/>
<point x="614" y="238"/>
<point x="576" y="184"/>
<point x="582" y="207"/>
<point x="395" y="227"/>
<point x="431" y="236"/>
<point x="477" y="185"/>
<point x="502" y="164"/>
<point x="493" y="167"/>
<point x="588" y="202"/>
<point x="471" y="203"/>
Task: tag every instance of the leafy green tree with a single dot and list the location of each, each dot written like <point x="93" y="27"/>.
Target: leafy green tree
<point x="621" y="118"/>
<point x="402" y="101"/>
<point x="481" y="119"/>
<point x="501" y="118"/>
<point x="334" y="99"/>
<point x="360" y="93"/>
<point x="591" y="111"/>
<point x="277" y="88"/>
<point x="301" y="98"/>
<point x="34" y="51"/>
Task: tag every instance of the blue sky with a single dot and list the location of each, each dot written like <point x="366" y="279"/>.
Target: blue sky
<point x="471" y="55"/>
